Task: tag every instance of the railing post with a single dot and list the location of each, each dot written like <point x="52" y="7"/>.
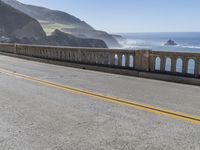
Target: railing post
<point x="112" y="59"/>
<point x="85" y="57"/>
<point x="127" y="58"/>
<point x="106" y="55"/>
<point x="173" y="64"/>
<point x="79" y="56"/>
<point x="119" y="60"/>
<point x="162" y="63"/>
<point x="197" y="68"/>
<point x="93" y="58"/>
<point x="100" y="58"/>
<point x="142" y="60"/>
<point x="15" y="48"/>
<point x="97" y="58"/>
<point x="152" y="63"/>
<point x="185" y="66"/>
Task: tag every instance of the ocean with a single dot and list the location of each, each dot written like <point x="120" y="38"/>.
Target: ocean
<point x="187" y="42"/>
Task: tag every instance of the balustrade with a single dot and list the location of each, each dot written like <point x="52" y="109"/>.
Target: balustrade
<point x="145" y="60"/>
<point x="181" y="63"/>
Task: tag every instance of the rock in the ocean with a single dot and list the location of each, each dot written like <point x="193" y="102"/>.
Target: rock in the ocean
<point x="170" y="43"/>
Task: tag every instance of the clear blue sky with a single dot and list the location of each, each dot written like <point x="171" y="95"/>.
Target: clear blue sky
<point x="132" y="15"/>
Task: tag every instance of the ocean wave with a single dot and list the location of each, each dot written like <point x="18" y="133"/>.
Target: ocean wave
<point x="153" y="44"/>
<point x="129" y="43"/>
<point x="193" y="47"/>
<point x="185" y="46"/>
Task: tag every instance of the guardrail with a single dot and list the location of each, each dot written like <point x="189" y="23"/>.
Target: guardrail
<point x="176" y="63"/>
<point x="185" y="64"/>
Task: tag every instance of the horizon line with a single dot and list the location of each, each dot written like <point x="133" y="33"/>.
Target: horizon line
<point x="155" y="32"/>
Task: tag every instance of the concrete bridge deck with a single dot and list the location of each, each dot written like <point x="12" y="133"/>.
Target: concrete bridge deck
<point x="36" y="114"/>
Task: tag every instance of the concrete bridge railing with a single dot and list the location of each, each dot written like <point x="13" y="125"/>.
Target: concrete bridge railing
<point x="186" y="64"/>
<point x="176" y="63"/>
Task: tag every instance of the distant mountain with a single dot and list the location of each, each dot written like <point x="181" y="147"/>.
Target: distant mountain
<point x="46" y="15"/>
<point x="95" y="34"/>
<point x="53" y="19"/>
<point x="59" y="38"/>
<point x="15" y="24"/>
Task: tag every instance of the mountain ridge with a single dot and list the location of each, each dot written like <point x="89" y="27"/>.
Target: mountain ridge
<point x="46" y="14"/>
<point x="14" y="23"/>
<point x="68" y="23"/>
<point x="18" y="27"/>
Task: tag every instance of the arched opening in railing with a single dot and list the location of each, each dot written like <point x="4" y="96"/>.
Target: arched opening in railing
<point x="123" y="61"/>
<point x="168" y="64"/>
<point x="157" y="63"/>
<point x="131" y="61"/>
<point x="179" y="65"/>
<point x="191" y="66"/>
<point x="116" y="59"/>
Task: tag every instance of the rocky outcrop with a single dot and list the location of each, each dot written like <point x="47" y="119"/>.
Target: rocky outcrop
<point x="80" y="28"/>
<point x="48" y="15"/>
<point x="15" y="24"/>
<point x="17" y="27"/>
<point x="170" y="43"/>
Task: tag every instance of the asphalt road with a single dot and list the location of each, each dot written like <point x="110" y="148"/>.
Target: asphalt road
<point x="38" y="116"/>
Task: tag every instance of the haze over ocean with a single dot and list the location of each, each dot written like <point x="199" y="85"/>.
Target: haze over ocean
<point x="187" y="41"/>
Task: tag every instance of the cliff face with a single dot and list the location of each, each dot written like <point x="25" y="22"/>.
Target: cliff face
<point x="48" y="15"/>
<point x="16" y="24"/>
<point x="63" y="21"/>
<point x="95" y="34"/>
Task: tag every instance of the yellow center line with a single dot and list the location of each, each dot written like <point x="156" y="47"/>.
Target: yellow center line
<point x="145" y="107"/>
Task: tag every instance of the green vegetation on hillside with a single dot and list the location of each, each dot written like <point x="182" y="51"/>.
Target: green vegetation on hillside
<point x="53" y="19"/>
<point x="49" y="28"/>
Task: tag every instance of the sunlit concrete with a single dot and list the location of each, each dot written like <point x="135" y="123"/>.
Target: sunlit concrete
<point x="34" y="116"/>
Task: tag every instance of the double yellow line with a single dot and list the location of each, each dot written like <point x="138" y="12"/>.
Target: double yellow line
<point x="147" y="108"/>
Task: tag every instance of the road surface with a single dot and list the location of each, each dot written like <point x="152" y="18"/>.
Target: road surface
<point x="40" y="111"/>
